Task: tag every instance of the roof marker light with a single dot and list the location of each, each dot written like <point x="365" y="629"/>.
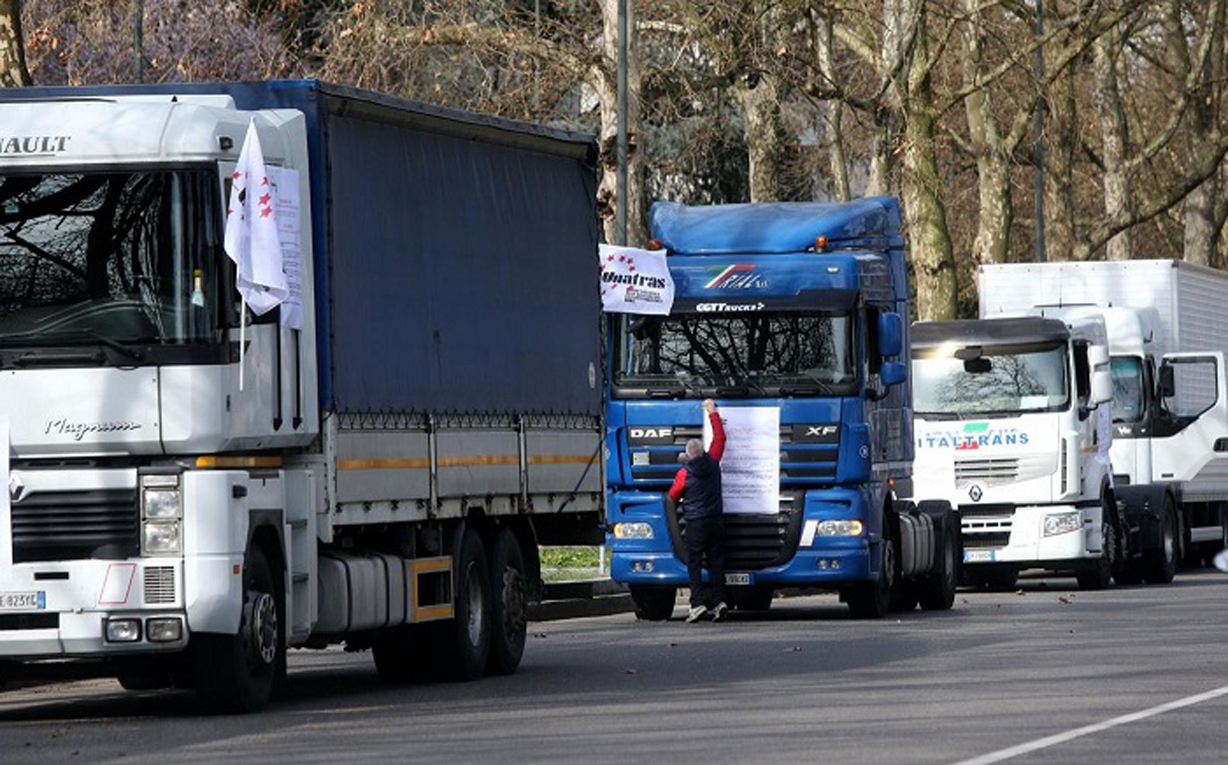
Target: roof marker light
<point x="820" y="243"/>
<point x="655" y="244"/>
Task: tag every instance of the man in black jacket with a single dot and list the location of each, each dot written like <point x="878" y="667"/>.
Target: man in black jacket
<point x="698" y="485"/>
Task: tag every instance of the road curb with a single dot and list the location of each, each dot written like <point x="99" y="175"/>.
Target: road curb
<point x="580" y="598"/>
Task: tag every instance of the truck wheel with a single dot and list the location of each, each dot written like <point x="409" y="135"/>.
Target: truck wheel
<point x="653" y="604"/>
<point x="1159" y="566"/>
<point x="937" y="590"/>
<point x="509" y="609"/>
<point x="751" y="598"/>
<point x="872" y="600"/>
<point x="235" y="673"/>
<point x="469" y="647"/>
<point x="1098" y="576"/>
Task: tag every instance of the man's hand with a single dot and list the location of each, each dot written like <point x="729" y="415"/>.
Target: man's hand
<point x="709" y="405"/>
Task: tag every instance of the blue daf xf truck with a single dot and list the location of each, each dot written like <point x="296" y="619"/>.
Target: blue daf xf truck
<point x="799" y="308"/>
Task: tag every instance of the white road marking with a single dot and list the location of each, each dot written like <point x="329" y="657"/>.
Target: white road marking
<point x="1061" y="738"/>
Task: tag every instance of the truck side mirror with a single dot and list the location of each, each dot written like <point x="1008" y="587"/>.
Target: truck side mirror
<point x="1102" y="376"/>
<point x="890" y="335"/>
<point x="1167" y="386"/>
<point x="893" y="373"/>
<point x="1102" y="387"/>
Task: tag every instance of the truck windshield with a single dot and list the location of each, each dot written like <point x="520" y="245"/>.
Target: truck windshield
<point x="1002" y="380"/>
<point x="112" y="257"/>
<point x="1127" y="388"/>
<point x="782" y="353"/>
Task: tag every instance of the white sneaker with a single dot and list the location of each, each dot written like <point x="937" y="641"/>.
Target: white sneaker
<point x="696" y="613"/>
<point x="719" y="612"/>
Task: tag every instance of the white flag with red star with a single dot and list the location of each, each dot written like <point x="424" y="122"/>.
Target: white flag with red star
<point x="635" y="281"/>
<point x="252" y="240"/>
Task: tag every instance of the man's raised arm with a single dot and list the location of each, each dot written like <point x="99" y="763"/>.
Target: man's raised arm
<point x="718" y="430"/>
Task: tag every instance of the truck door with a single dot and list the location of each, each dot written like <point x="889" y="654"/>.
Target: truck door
<point x="1191" y="421"/>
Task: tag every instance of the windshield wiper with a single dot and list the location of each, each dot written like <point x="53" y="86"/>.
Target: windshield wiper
<point x="743" y="388"/>
<point x="115" y="345"/>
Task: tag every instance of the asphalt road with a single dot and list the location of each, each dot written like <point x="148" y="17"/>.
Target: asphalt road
<point x="1047" y="674"/>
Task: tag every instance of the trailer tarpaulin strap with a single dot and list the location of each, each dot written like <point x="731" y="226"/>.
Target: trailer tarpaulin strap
<point x="635" y="281"/>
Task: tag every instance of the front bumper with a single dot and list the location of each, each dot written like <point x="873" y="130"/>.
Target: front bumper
<point x="1027" y="543"/>
<point x="843" y="565"/>
<point x="79" y="597"/>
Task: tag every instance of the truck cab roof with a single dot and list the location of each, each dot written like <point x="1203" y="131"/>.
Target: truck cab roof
<point x="869" y="224"/>
<point x="1008" y="331"/>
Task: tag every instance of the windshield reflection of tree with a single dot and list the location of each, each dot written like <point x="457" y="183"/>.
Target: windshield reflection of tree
<point x="734" y="349"/>
<point x="103" y="239"/>
<point x="1002" y="387"/>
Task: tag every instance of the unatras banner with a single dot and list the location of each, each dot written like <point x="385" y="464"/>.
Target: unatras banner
<point x="635" y="281"/>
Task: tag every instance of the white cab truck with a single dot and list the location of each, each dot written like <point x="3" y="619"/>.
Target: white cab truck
<point x="1167" y="325"/>
<point x="1011" y="422"/>
<point x="182" y="510"/>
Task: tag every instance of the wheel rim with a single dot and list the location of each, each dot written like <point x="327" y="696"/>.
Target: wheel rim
<point x="473" y="594"/>
<point x="261" y="632"/>
<point x="887" y="577"/>
<point x="513" y="602"/>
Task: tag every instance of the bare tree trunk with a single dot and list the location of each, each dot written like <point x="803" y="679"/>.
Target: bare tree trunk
<point x="1114" y="138"/>
<point x="13" y="71"/>
<point x="1200" y="216"/>
<point x="765" y="133"/>
<point x="832" y="112"/>
<point x="606" y="83"/>
<point x="933" y="255"/>
<point x="1059" y="169"/>
<point x="889" y="51"/>
<point x="996" y="212"/>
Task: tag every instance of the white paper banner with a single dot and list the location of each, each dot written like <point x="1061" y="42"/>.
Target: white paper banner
<point x="635" y="281"/>
<point x="750" y="467"/>
<point x="286" y="211"/>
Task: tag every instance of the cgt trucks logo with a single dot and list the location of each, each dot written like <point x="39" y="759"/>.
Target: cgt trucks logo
<point x="34" y="145"/>
<point x="737" y="277"/>
<point x="975" y="435"/>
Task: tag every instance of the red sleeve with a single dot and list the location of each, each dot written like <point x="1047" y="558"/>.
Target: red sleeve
<point x="718" y="437"/>
<point x="675" y="491"/>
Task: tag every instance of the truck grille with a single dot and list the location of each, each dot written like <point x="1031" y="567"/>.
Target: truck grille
<point x="76" y="525"/>
<point x="987" y="541"/>
<point x="159" y="585"/>
<point x="752" y="542"/>
<point x="988" y="471"/>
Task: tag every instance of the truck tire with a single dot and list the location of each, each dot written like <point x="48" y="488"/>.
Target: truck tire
<point x="1100" y="574"/>
<point x="872" y="600"/>
<point x="236" y="673"/>
<point x="1160" y="565"/>
<point x="652" y="603"/>
<point x="467" y="649"/>
<point x="751" y="598"/>
<point x="509" y="604"/>
<point x="937" y="590"/>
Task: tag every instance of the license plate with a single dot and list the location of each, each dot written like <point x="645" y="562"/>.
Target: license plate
<point x="737" y="579"/>
<point x="23" y="601"/>
<point x="978" y="556"/>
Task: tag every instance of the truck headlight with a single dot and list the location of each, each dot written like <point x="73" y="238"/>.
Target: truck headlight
<point x="162" y="503"/>
<point x="160" y="537"/>
<point x="1063" y="523"/>
<point x="633" y="531"/>
<point x="839" y="529"/>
